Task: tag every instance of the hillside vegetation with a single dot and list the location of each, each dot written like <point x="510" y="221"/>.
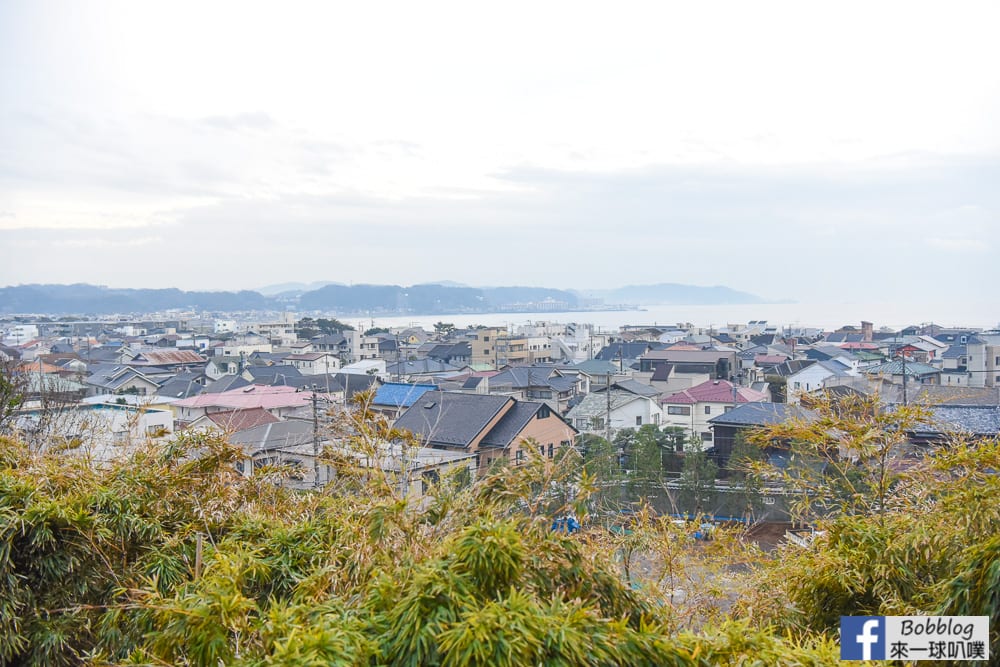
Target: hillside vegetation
<point x="103" y="566"/>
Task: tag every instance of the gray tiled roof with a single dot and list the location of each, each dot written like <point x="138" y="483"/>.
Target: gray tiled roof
<point x="895" y="367"/>
<point x="760" y="414"/>
<point x="521" y="377"/>
<point x="451" y="419"/>
<point x="596" y="367"/>
<point x="225" y="383"/>
<point x="983" y="421"/>
<point x="274" y="435"/>
<point x="616" y="351"/>
<point x="266" y="374"/>
<point x="632" y="386"/>
<point x="662" y="373"/>
<point x="955" y="352"/>
<point x="596" y="405"/>
<point x="182" y="385"/>
<point x="512" y="423"/>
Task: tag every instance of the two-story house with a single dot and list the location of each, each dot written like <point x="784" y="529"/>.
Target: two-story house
<point x="692" y="408"/>
<point x="495" y="428"/>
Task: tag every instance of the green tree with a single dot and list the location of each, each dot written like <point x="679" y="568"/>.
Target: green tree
<point x="843" y="455"/>
<point x="443" y="327"/>
<point x="645" y="449"/>
<point x="931" y="550"/>
<point x="13" y="386"/>
<point x="741" y="472"/>
<point x="307" y="327"/>
<point x="778" y="386"/>
<point x="102" y="565"/>
<point x="599" y="459"/>
<point x="696" y="485"/>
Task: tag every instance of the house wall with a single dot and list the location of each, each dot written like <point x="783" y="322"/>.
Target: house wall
<point x="134" y="386"/>
<point x="697" y="422"/>
<point x="955" y="379"/>
<point x="631" y="415"/>
<point x="984" y="362"/>
<point x="543" y="432"/>
<point x="246" y="350"/>
<point x="368" y="348"/>
<point x="484" y="345"/>
<point x="321" y="366"/>
<point x="809" y="379"/>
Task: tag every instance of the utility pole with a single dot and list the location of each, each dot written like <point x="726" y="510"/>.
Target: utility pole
<point x="903" y="356"/>
<point x="315" y="402"/>
<point x="607" y="414"/>
<point x="404" y="471"/>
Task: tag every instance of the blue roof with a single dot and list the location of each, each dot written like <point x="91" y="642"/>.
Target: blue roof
<point x="400" y="394"/>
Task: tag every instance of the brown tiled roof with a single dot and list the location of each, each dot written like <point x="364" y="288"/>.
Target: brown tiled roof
<point x="172" y="357"/>
<point x="240" y="420"/>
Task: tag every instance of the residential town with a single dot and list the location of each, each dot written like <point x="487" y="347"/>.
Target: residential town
<point x="473" y="398"/>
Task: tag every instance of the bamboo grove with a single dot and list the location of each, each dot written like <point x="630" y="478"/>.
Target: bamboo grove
<point x="170" y="557"/>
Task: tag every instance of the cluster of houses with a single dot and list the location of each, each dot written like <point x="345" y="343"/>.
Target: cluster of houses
<point x="474" y="397"/>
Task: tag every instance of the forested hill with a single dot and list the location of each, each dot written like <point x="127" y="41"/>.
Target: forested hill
<point x="348" y="299"/>
<point x="99" y="300"/>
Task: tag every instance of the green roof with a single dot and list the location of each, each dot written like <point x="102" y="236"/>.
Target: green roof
<point x="895" y="367"/>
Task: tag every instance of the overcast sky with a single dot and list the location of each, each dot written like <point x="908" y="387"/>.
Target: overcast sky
<point x="786" y="149"/>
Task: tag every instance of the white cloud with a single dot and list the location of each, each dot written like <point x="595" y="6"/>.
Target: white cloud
<point x="455" y="140"/>
<point x="958" y="245"/>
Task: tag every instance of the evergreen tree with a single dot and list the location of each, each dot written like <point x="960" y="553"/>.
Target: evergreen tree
<point x="697" y="493"/>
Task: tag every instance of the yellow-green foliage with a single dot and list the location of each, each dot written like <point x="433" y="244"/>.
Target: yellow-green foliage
<point x="932" y="550"/>
<point x="99" y="566"/>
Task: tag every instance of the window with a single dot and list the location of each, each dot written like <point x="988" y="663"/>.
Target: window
<point x="706" y="436"/>
<point x="519" y="457"/>
<point x="678" y="410"/>
<point x="727" y="408"/>
<point x="638" y="420"/>
<point x="656" y="418"/>
<point x="552" y="450"/>
<point x="486" y="339"/>
<point x="544" y="412"/>
<point x="708" y="409"/>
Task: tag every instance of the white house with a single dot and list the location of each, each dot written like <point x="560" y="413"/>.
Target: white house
<point x="224" y="326"/>
<point x="625" y="410"/>
<point x="313" y="363"/>
<point x="691" y="409"/>
<point x="816" y="377"/>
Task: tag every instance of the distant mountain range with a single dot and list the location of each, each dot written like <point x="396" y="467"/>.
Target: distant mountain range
<point x="427" y="299"/>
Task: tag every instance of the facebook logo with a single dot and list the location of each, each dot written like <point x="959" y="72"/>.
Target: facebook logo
<point x="862" y="638"/>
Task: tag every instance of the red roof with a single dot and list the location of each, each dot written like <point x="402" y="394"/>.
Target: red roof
<point x="858" y="346"/>
<point x="240" y="420"/>
<point x="715" y="391"/>
<point x="770" y="359"/>
<point x="35" y="367"/>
